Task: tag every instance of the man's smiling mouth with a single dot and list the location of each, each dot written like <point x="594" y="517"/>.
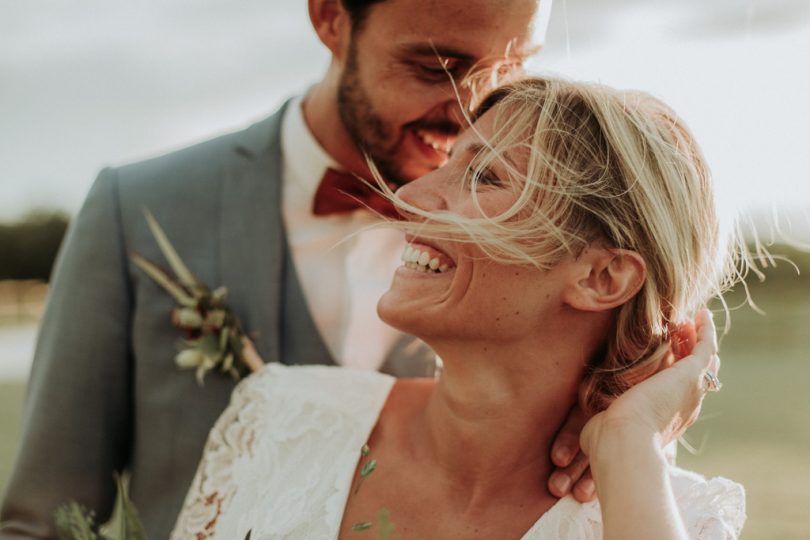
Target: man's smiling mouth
<point x="440" y="142"/>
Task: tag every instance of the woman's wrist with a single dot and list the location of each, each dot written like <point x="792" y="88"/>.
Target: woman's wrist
<point x="632" y="482"/>
<point x="620" y="440"/>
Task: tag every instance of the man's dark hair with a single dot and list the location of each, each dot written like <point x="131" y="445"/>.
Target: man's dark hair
<point x="358" y="9"/>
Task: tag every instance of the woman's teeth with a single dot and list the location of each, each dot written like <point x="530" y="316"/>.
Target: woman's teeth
<point x="417" y="259"/>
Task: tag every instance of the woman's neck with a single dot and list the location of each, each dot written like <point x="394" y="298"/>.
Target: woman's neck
<point x="490" y="420"/>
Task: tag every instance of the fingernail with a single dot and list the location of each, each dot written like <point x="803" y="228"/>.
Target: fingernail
<point x="563" y="454"/>
<point x="562" y="483"/>
<point x="588" y="487"/>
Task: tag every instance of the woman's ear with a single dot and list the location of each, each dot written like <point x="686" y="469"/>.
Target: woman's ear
<point x="331" y="22"/>
<point x="605" y="279"/>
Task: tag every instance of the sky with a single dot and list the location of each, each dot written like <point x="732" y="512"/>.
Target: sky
<point x="92" y="83"/>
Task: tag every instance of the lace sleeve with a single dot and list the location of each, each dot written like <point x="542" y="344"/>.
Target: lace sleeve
<point x="279" y="461"/>
<point x="232" y="436"/>
<point x="711" y="509"/>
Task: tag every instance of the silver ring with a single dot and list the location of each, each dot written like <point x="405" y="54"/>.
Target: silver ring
<point x="711" y="382"/>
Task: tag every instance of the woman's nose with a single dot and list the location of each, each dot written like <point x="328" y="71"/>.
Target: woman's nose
<point x="424" y="193"/>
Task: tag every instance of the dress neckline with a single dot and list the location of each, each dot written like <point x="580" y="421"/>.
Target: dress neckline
<point x="565" y="505"/>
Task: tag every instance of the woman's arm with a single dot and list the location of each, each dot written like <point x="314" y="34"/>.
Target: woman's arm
<point x="632" y="480"/>
<point x="624" y="444"/>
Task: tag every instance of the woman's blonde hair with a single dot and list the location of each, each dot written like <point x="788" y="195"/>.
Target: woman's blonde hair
<point x="617" y="167"/>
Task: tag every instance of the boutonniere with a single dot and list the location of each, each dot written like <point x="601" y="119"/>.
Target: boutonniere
<point x="213" y="334"/>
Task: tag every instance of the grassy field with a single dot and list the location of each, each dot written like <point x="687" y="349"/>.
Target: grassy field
<point x="756" y="431"/>
<point x="11" y="400"/>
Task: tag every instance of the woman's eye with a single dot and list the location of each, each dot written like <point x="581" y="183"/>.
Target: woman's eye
<point x="488" y="178"/>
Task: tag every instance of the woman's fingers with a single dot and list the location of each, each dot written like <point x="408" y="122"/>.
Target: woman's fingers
<point x="668" y="402"/>
<point x="566" y="444"/>
<point x="699" y="370"/>
<point x="585" y="490"/>
<point x="683" y="339"/>
<point x="571" y="474"/>
<point x="706" y="347"/>
<point x="563" y="480"/>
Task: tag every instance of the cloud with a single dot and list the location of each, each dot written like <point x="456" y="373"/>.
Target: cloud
<point x="588" y="23"/>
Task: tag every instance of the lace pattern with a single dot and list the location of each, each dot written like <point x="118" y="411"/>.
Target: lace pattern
<point x="711" y="509"/>
<point x="280" y="459"/>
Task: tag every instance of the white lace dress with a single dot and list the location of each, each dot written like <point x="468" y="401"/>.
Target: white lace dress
<point x="279" y="463"/>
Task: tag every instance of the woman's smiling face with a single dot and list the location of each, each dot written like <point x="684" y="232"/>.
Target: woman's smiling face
<point x="451" y="289"/>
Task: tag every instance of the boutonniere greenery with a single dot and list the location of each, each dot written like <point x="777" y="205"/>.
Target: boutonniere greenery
<point x="75" y="522"/>
<point x="214" y="338"/>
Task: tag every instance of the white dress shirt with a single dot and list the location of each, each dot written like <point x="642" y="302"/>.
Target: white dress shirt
<point x="342" y="263"/>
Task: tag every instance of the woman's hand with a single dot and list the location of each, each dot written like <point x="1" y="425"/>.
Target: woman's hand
<point x="663" y="406"/>
<point x="625" y="443"/>
<point x="572" y="474"/>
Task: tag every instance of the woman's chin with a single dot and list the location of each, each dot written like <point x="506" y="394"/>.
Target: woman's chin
<point x="390" y="312"/>
<point x="401" y="312"/>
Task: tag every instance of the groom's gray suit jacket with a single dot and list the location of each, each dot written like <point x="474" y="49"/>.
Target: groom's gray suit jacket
<point x="104" y="392"/>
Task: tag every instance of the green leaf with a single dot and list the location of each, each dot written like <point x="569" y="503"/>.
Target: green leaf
<point x="186" y="317"/>
<point x="74" y="522"/>
<point x="215" y="318"/>
<point x="365" y="450"/>
<point x="208" y="344"/>
<point x="368" y="468"/>
<point x="234" y="374"/>
<point x="131" y="527"/>
<point x="218" y="295"/>
<point x="235" y="343"/>
<point x="227" y="364"/>
<point x="388" y="530"/>
<point x="362" y="526"/>
<point x="223" y="339"/>
<point x="177" y="264"/>
<point x="163" y="280"/>
<point x="247" y="536"/>
<point x="189" y="358"/>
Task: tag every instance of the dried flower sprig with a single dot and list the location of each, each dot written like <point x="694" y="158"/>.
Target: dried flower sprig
<point x="214" y="335"/>
<point x="386" y="530"/>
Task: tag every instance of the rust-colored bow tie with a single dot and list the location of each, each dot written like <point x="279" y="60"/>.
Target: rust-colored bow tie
<point x="341" y="192"/>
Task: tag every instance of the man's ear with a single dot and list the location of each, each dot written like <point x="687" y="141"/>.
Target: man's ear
<point x="605" y="279"/>
<point x="331" y="22"/>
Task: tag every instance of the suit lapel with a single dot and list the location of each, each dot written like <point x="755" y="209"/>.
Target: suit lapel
<point x="252" y="241"/>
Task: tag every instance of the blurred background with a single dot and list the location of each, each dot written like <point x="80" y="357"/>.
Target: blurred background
<point x="91" y="83"/>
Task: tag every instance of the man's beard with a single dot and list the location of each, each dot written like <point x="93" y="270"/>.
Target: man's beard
<point x="367" y="128"/>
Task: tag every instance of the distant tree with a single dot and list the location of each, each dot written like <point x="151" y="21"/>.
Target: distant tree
<point x="28" y="247"/>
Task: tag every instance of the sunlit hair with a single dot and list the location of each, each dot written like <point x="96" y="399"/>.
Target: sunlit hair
<point x="601" y="165"/>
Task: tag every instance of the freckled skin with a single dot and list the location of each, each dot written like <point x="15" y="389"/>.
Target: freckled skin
<point x="464" y="312"/>
<point x="479" y="293"/>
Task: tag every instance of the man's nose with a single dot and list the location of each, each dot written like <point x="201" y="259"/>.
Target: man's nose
<point x="468" y="94"/>
<point x="458" y="112"/>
